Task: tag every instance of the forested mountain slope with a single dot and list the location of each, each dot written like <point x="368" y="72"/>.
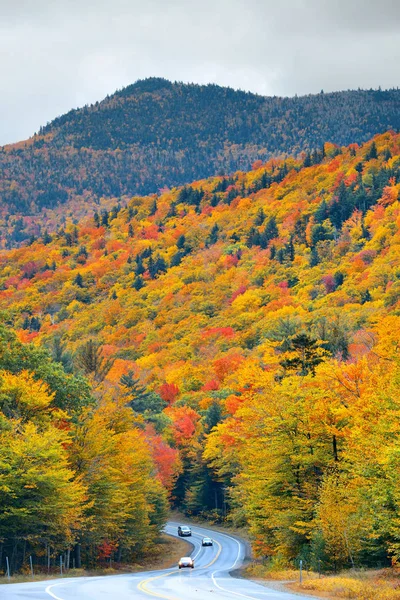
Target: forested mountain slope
<point x="156" y="134"/>
<point x="252" y="322"/>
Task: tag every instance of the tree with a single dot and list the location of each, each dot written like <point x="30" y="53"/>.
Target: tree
<point x="213" y="236"/>
<point x="139" y="399"/>
<point x="153" y="208"/>
<point x="89" y="358"/>
<point x="372" y="152"/>
<point x="303" y="354"/>
<point x="78" y="280"/>
<point x="260" y="218"/>
<point x="41" y="501"/>
<point x="270" y="232"/>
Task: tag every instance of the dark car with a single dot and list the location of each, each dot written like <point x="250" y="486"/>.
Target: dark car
<point x="186" y="561"/>
<point x="184" y="531"/>
<point x="206" y="541"/>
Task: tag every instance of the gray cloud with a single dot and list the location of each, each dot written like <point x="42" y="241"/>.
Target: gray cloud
<point x="59" y="54"/>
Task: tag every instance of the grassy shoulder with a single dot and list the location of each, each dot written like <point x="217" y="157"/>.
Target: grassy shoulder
<point x="383" y="584"/>
<point x="165" y="555"/>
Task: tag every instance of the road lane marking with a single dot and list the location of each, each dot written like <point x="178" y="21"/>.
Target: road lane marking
<point x="47" y="590"/>
<point x="229" y="591"/>
<point x="215" y="557"/>
<point x="200" y="549"/>
<point x="230" y="568"/>
<point x="142" y="586"/>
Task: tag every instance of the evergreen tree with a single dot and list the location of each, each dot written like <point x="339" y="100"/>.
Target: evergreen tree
<point x="104" y="218"/>
<point x="89" y="358"/>
<point x="314" y="257"/>
<point x="307" y="160"/>
<point x="303" y="355"/>
<point x="213" y="237"/>
<point x="271" y="229"/>
<point x="153" y="207"/>
<point x="46" y="238"/>
<point x="322" y="212"/>
<point x="260" y="218"/>
<point x="372" y="152"/>
<point x="180" y="243"/>
<point x="78" y="280"/>
<point x="138" y="283"/>
<point x="139" y="269"/>
<point x="172" y="210"/>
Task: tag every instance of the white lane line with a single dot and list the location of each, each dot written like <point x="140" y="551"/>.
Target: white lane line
<point x="240" y="547"/>
<point x="229" y="591"/>
<point x="230" y="568"/>
<point x="50" y="593"/>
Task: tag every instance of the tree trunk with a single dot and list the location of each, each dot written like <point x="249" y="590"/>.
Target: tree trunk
<point x="335" y="450"/>
<point x="78" y="563"/>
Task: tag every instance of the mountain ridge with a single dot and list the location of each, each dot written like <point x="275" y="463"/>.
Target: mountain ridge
<point x="157" y="134"/>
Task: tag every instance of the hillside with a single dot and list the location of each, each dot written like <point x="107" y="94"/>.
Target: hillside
<point x="156" y="134"/>
<point x="252" y="321"/>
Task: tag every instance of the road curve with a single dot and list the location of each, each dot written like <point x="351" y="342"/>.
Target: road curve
<point x="209" y="580"/>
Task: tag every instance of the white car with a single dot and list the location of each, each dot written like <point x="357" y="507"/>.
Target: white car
<point x="186" y="561"/>
<point x="206" y="541"/>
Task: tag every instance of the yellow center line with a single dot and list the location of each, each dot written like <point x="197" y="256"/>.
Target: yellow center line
<point x="215" y="557"/>
<point x="142" y="586"/>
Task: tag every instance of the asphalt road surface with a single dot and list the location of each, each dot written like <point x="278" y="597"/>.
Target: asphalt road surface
<point x="209" y="580"/>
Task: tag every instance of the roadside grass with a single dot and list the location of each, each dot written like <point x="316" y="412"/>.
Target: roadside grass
<point x="360" y="585"/>
<point x="382" y="584"/>
<point x="260" y="571"/>
<point x="165" y="555"/>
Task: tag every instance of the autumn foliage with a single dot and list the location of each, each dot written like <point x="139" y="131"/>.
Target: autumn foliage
<point x="240" y="340"/>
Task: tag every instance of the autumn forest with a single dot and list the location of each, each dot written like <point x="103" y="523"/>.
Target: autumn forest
<point x="155" y="134"/>
<point x="228" y="347"/>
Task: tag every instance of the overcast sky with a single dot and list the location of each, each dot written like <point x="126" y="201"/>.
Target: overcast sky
<point x="59" y="54"/>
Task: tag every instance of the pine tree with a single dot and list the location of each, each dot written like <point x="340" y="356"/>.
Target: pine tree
<point x="153" y="208"/>
<point x="260" y="218"/>
<point x="47" y="238"/>
<point x="78" y="280"/>
<point x="213" y="237"/>
<point x="138" y="283"/>
<point x="303" y="355"/>
<point x="314" y="257"/>
<point x="271" y="229"/>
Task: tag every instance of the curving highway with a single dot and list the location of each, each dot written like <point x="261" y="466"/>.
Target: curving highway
<point x="209" y="580"/>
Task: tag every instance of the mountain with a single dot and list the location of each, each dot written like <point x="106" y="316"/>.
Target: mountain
<point x="200" y="255"/>
<point x="251" y="321"/>
<point x="155" y="134"/>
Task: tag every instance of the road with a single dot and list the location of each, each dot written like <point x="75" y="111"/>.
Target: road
<point x="209" y="580"/>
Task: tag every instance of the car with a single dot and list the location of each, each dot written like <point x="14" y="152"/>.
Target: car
<point x="186" y="561"/>
<point x="184" y="531"/>
<point x="206" y="541"/>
